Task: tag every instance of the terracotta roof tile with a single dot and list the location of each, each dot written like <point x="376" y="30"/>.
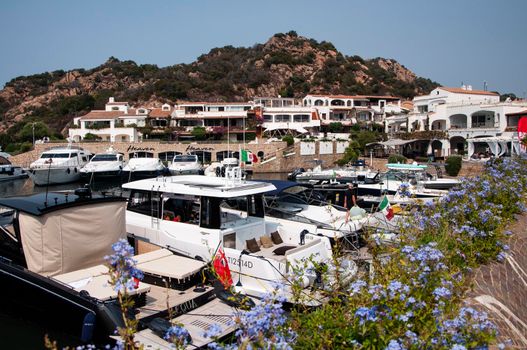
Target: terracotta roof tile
<point x="160" y="113"/>
<point x="102" y="115"/>
<point x="116" y="103"/>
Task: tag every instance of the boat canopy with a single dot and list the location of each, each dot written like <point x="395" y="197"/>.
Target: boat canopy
<point x="407" y="167"/>
<point x="42" y="203"/>
<point x="70" y="232"/>
<point x="203" y="186"/>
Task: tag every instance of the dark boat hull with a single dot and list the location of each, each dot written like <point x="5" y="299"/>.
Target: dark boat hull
<point x="56" y="306"/>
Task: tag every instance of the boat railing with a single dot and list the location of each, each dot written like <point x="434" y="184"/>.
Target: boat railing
<point x="62" y="147"/>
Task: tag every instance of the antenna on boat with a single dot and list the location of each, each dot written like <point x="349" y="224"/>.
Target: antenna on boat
<point x="47" y="182"/>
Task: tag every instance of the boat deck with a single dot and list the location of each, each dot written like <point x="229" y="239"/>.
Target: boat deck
<point x="196" y="322"/>
<point x="159" y="299"/>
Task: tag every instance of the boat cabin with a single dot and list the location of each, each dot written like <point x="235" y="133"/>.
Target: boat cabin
<point x="196" y="215"/>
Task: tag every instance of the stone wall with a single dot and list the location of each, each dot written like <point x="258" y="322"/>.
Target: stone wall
<point x="277" y="156"/>
<point x="155" y="147"/>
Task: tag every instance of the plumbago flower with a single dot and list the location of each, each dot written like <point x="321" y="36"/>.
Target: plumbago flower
<point x="404" y="190"/>
<point x="178" y="336"/>
<point x="123" y="273"/>
<point x="124" y="277"/>
<point x="262" y="327"/>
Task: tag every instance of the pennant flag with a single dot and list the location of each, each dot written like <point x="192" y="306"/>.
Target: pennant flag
<point x="249" y="157"/>
<point x="385" y="208"/>
<point x="222" y="268"/>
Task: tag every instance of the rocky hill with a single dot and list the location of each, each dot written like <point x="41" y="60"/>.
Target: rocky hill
<point x="286" y="65"/>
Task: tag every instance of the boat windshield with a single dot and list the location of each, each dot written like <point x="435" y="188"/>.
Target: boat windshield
<point x="185" y="158"/>
<point x="104" y="158"/>
<point x="55" y="155"/>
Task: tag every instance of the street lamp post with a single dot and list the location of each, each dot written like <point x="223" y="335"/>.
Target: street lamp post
<point x="33" y="132"/>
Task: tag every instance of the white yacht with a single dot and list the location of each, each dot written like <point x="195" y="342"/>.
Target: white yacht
<point x="107" y="164"/>
<point x="185" y="164"/>
<point x="419" y="173"/>
<point x="229" y="167"/>
<point x="58" y="165"/>
<point x="9" y="171"/>
<point x="141" y="167"/>
<point x="400" y="179"/>
<point x="356" y="173"/>
<point x="187" y="215"/>
<point x="300" y="206"/>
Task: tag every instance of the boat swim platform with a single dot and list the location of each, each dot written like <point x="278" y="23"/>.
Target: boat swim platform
<point x="196" y="322"/>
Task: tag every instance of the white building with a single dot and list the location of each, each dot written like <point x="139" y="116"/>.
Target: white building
<point x="461" y="121"/>
<point x="349" y="109"/>
<point x="281" y="116"/>
<point x="116" y="123"/>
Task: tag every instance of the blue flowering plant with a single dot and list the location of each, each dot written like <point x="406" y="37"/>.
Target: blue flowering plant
<point x="178" y="336"/>
<point x="404" y="190"/>
<point x="265" y="326"/>
<point x="124" y="277"/>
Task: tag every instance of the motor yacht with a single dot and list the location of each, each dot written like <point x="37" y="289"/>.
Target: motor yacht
<point x="52" y="270"/>
<point x="420" y="174"/>
<point x="300" y="206"/>
<point x="187" y="214"/>
<point x="107" y="164"/>
<point x="143" y="167"/>
<point x="355" y="173"/>
<point x="396" y="181"/>
<point x="229" y="167"/>
<point x="8" y="171"/>
<point x="58" y="165"/>
<point x="185" y="164"/>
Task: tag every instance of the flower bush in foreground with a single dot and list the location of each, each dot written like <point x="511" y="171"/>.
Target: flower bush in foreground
<point x="414" y="298"/>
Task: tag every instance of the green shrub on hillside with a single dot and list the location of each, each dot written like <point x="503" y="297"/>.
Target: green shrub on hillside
<point x="453" y="165"/>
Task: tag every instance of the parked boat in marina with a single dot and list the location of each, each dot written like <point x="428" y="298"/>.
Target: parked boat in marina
<point x="185" y="164"/>
<point x="107" y="164"/>
<point x="143" y="167"/>
<point x="356" y="173"/>
<point x="8" y="171"/>
<point x="58" y="165"/>
<point x="186" y="214"/>
<point x="300" y="207"/>
<point x="395" y="181"/>
<point x="52" y="249"/>
<point x="417" y="172"/>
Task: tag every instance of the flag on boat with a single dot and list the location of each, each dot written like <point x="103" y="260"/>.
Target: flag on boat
<point x="386" y="208"/>
<point x="249" y="157"/>
<point x="222" y="268"/>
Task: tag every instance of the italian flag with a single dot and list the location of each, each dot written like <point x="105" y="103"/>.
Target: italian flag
<point x="385" y="208"/>
<point x="249" y="157"/>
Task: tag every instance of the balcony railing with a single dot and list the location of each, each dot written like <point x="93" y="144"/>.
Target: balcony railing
<point x="421" y="135"/>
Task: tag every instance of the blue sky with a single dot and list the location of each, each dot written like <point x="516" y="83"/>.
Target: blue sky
<point x="449" y="41"/>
